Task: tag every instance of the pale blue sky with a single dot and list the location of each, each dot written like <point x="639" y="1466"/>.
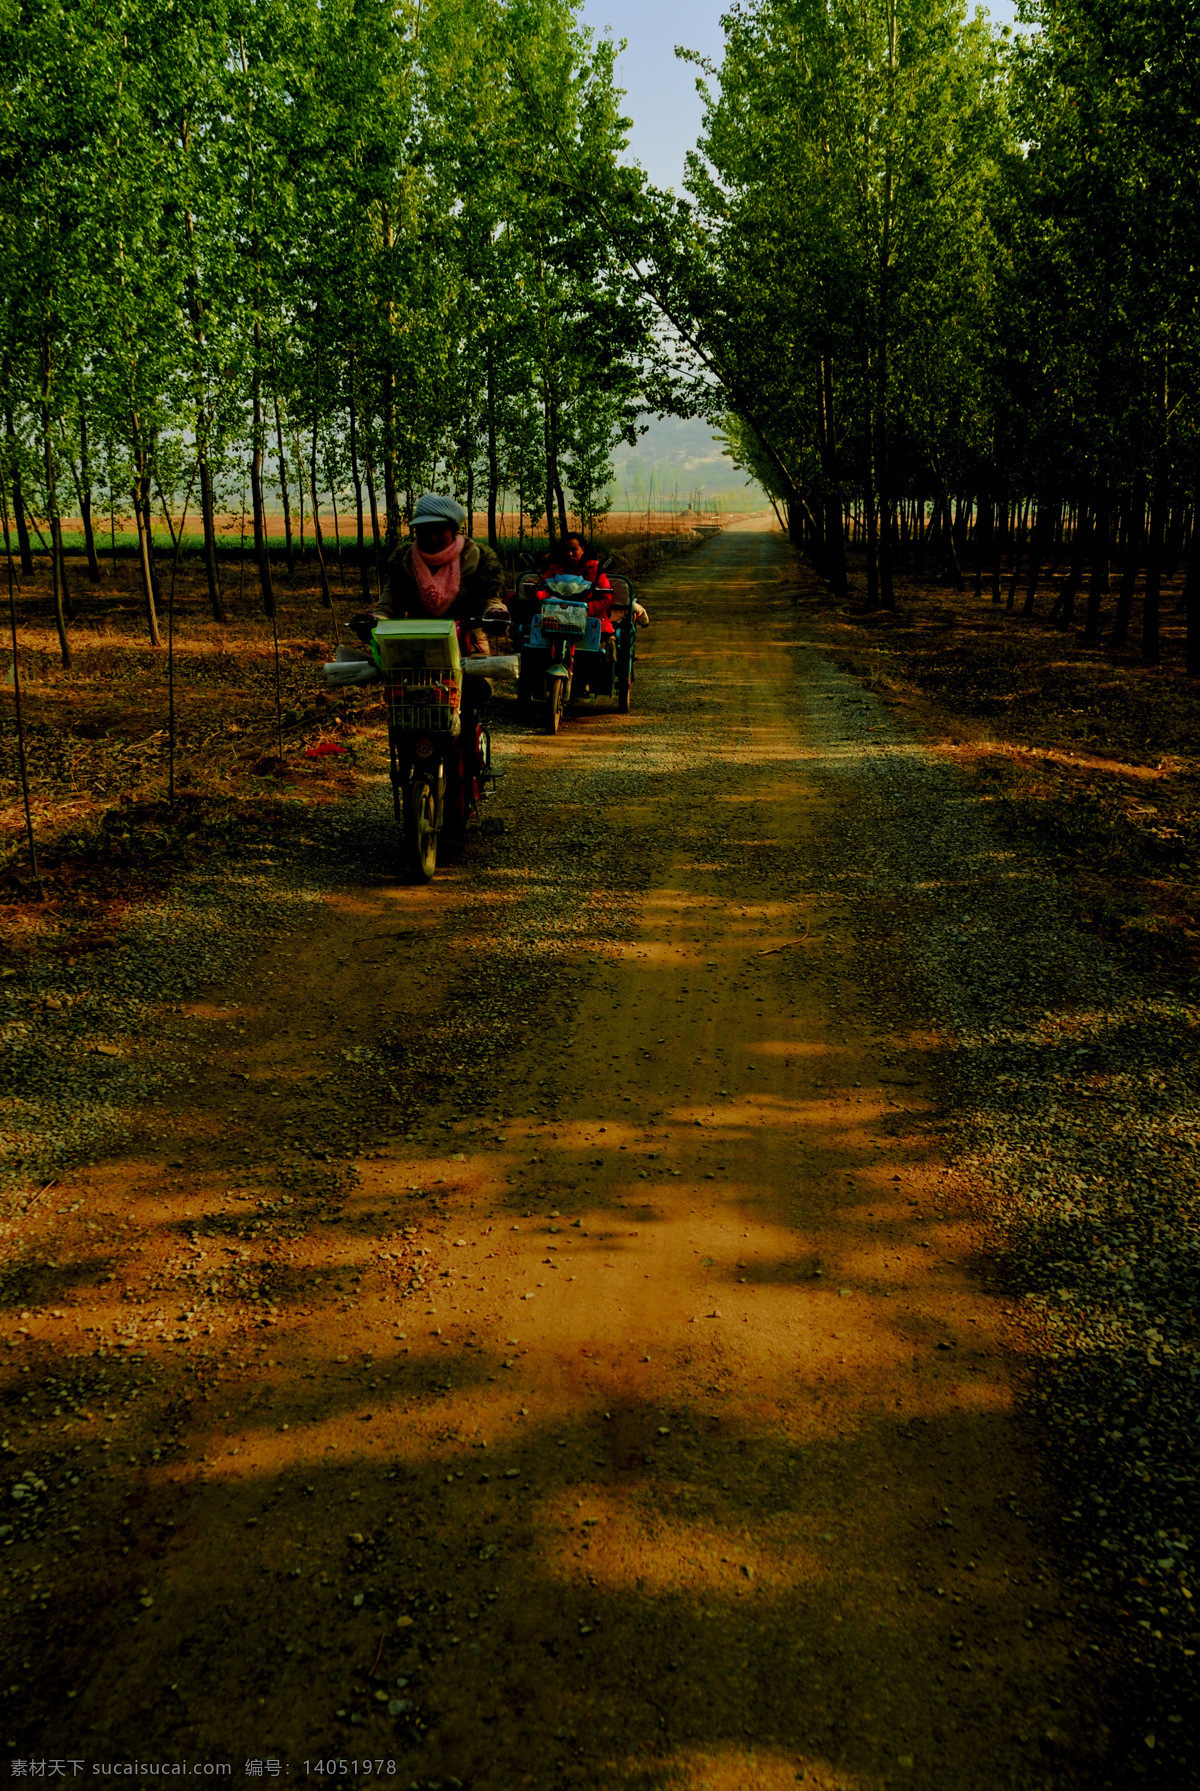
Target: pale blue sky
<point x="661" y="92"/>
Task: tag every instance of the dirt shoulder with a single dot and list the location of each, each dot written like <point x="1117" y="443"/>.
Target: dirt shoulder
<point x="1081" y="753"/>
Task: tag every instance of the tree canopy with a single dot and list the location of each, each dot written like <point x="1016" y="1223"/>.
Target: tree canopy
<point x="946" y="275"/>
<point x="278" y="252"/>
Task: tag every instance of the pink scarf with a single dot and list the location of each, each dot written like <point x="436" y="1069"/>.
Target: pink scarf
<point x="438" y="575"/>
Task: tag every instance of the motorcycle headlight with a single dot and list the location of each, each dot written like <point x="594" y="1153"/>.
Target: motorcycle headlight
<point x="424" y="749"/>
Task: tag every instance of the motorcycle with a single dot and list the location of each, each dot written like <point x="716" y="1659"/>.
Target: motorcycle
<point x="439" y="749"/>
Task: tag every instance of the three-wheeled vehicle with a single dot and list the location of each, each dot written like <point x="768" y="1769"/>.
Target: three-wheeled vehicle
<point x="567" y="655"/>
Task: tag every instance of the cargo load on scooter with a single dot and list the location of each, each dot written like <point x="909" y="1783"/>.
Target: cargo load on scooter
<point x="422" y="673"/>
<point x="430" y="645"/>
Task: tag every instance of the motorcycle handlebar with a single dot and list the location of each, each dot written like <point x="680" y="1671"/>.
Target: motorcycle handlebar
<point x="361" y="625"/>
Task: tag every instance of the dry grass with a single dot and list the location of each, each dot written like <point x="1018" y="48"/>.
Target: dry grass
<point x="614" y="529"/>
<point x="1082" y="752"/>
<point x="98" y="743"/>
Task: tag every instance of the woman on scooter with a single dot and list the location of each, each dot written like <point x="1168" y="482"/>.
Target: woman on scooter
<point x="573" y="557"/>
<point x="440" y="572"/>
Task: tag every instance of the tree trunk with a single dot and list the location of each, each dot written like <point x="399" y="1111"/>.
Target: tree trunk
<point x="256" y="479"/>
<point x="56" y="559"/>
<point x="493" y="464"/>
<point x="283" y="489"/>
<point x="363" y="573"/>
<point x="85" y="503"/>
<point x="1042" y="525"/>
<point x="141" y="510"/>
<point x="1191" y="592"/>
<point x="470" y="499"/>
<point x="1064" y="604"/>
<point x="391" y="483"/>
<point x="868" y="491"/>
<point x="1154" y="562"/>
<point x="1019" y="540"/>
<point x="207" y="517"/>
<point x="1099" y="579"/>
<point x="298" y="445"/>
<point x="1135" y="532"/>
<point x="1173" y="549"/>
<point x="815" y="523"/>
<point x="212" y="572"/>
<point x="18" y="499"/>
<point x="872" y="530"/>
<point x="374" y="518"/>
<point x="391" y="506"/>
<point x="337" y="527"/>
<point x="999" y="538"/>
<point x="961" y="515"/>
<point x="981" y="531"/>
<point x="176" y="540"/>
<point x="835" y="546"/>
<point x="318" y="538"/>
<point x="155" y="581"/>
<point x="953" y="568"/>
<point x="1185" y="554"/>
<point x="549" y="474"/>
<point x="887" y="591"/>
<point x="921" y="537"/>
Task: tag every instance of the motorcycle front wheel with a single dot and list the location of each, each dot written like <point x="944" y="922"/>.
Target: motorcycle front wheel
<point x="558" y="692"/>
<point x="420" y="833"/>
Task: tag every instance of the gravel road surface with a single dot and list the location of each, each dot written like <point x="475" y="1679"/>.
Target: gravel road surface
<point x="579" y="1324"/>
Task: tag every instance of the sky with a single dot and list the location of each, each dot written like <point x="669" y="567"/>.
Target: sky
<point x="660" y="92"/>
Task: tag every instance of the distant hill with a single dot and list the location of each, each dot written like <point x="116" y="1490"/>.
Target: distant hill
<point x="677" y="454"/>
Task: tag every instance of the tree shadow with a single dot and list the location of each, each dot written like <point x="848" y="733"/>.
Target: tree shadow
<point x="619" y="1598"/>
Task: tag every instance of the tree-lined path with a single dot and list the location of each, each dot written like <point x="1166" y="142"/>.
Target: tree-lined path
<point x="622" y="1404"/>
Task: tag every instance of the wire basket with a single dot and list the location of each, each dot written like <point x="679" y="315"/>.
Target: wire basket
<point x="424" y="703"/>
<point x="561" y="615"/>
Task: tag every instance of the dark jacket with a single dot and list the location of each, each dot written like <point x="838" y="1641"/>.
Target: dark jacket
<point x="479" y="584"/>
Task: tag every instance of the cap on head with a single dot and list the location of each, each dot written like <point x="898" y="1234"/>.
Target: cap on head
<point x="431" y="507"/>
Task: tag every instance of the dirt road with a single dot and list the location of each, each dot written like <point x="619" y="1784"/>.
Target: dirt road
<point x="541" y="1350"/>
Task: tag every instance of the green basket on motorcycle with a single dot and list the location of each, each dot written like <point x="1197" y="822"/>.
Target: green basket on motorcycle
<point x="423" y="675"/>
